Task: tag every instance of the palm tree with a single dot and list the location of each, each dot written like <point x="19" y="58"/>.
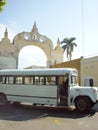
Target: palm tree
<point x="68" y="45"/>
<point x="2" y="4"/>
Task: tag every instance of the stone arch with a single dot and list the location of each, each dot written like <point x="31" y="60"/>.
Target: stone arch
<point x="36" y="39"/>
<point x="31" y="38"/>
<point x="35" y="56"/>
<point x="19" y="46"/>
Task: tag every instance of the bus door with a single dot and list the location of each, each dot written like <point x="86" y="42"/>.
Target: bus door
<point x="63" y="90"/>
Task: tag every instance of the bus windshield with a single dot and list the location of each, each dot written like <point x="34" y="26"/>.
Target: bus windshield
<point x="74" y="80"/>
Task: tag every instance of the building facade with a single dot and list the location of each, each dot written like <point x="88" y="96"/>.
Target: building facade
<point x="89" y="69"/>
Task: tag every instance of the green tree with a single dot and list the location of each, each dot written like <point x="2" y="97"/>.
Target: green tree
<point x="2" y="4"/>
<point x="68" y="45"/>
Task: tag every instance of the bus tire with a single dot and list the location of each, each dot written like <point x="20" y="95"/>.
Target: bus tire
<point x="3" y="100"/>
<point x="83" y="104"/>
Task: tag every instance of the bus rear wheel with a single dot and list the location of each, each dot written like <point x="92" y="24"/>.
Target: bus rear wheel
<point x="83" y="104"/>
<point x="3" y="100"/>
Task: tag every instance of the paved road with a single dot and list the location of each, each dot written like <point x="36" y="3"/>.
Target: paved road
<point x="27" y="117"/>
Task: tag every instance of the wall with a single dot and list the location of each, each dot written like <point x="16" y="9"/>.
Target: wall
<point x="89" y="68"/>
<point x="7" y="63"/>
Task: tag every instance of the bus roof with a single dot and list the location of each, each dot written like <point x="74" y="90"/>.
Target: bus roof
<point x="41" y="72"/>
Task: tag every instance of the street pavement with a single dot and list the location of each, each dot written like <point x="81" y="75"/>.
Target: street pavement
<point x="28" y="117"/>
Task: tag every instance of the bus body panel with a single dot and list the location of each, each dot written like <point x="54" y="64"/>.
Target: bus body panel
<point x="30" y="93"/>
<point x="91" y="92"/>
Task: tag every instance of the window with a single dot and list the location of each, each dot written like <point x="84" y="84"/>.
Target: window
<point x="0" y="79"/>
<point x="36" y="80"/>
<point x="74" y="80"/>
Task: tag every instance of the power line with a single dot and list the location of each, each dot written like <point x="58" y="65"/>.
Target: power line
<point x="83" y="31"/>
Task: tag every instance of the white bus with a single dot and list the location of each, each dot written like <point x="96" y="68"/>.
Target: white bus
<point x="54" y="86"/>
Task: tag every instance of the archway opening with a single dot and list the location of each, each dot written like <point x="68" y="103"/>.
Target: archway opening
<point x="30" y="56"/>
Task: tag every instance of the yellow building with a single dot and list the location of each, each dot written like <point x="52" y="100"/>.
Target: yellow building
<point x="89" y="68"/>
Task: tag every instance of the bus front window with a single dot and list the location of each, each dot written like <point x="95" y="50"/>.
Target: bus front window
<point x="74" y="80"/>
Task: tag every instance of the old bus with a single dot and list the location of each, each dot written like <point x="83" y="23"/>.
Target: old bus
<point x="54" y="86"/>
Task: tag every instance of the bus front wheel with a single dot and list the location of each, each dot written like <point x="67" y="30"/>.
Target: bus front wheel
<point x="83" y="104"/>
<point x="3" y="100"/>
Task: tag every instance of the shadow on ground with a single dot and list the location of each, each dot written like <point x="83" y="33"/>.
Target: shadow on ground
<point x="28" y="112"/>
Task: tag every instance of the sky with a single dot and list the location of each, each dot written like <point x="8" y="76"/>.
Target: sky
<point x="55" y="19"/>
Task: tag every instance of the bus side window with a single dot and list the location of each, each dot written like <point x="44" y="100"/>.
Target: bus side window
<point x="27" y="80"/>
<point x="10" y="80"/>
<point x="44" y="80"/>
<point x="47" y="80"/>
<point x="14" y="80"/>
<point x="52" y="80"/>
<point x="19" y="80"/>
<point x="0" y="79"/>
<point x="57" y="80"/>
